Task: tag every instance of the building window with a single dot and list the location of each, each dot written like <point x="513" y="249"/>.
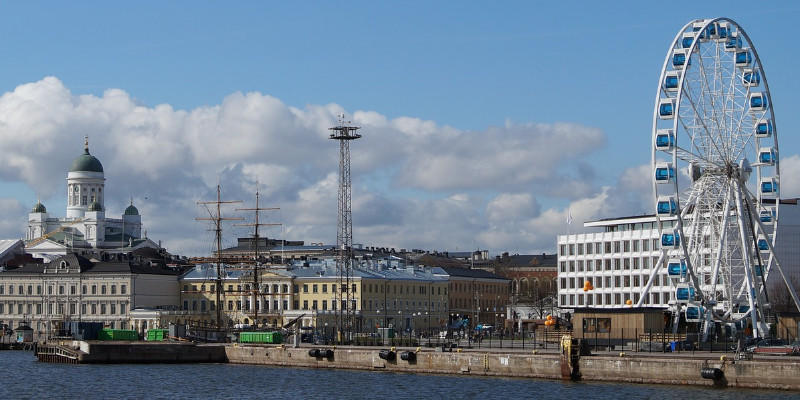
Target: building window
<point x="305" y="304"/>
<point x="597" y="325"/>
<point x="314" y="288"/>
<point x="94" y="290"/>
<point x="123" y="288"/>
<point x="314" y="305"/>
<point x="324" y="288"/>
<point x="113" y="309"/>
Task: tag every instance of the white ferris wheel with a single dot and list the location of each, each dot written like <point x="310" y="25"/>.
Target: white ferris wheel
<point x="716" y="176"/>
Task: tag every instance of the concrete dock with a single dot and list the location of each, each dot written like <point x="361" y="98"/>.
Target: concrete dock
<point x="699" y="368"/>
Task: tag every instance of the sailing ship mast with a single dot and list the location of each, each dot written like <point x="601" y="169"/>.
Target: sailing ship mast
<point x="217" y="218"/>
<point x="257" y="261"/>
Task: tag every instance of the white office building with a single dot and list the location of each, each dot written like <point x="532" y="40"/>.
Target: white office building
<point x="619" y="258"/>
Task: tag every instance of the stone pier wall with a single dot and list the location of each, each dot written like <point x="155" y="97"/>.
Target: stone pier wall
<point x="540" y="366"/>
<point x="774" y="373"/>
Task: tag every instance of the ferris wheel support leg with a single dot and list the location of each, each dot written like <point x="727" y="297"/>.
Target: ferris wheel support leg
<point x="723" y="236"/>
<point x="786" y="281"/>
<point x="685" y="246"/>
<point x="653" y="274"/>
<point x="758" y="324"/>
<point x="676" y="319"/>
<point x="706" y="326"/>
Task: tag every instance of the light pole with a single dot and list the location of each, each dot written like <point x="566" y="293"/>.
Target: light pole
<point x="400" y="325"/>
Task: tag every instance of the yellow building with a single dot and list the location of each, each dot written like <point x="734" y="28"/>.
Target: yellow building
<point x="409" y="299"/>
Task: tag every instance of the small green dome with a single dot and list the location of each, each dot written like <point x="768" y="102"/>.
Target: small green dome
<point x="131" y="210"/>
<point x="95" y="206"/>
<point x="39" y="208"/>
<point x="86" y="163"/>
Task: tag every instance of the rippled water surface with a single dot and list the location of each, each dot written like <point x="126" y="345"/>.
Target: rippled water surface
<point x="26" y="378"/>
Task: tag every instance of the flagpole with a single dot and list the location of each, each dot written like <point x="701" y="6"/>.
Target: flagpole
<point x="569" y="219"/>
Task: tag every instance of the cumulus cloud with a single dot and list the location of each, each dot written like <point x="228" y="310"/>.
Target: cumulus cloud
<point x="790" y="176"/>
<point x="416" y="184"/>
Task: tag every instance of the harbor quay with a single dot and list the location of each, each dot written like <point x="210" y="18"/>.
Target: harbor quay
<point x="687" y="368"/>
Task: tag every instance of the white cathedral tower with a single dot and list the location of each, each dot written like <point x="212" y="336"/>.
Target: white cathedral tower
<point x="85" y="183"/>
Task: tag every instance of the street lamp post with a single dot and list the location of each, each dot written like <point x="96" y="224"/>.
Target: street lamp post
<point x="400" y="325"/>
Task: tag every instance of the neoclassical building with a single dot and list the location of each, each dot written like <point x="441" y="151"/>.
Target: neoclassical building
<point x="76" y="288"/>
<point x="86" y="226"/>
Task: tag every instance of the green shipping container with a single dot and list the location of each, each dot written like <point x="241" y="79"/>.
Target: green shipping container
<point x="117" y="334"/>
<point x="274" y="337"/>
<point x="261" y="337"/>
<point x="157" y="335"/>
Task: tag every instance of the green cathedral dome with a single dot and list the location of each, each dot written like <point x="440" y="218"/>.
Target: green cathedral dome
<point x="39" y="208"/>
<point x="131" y="210"/>
<point x="86" y="163"/>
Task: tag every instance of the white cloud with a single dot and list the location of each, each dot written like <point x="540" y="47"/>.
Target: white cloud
<point x="790" y="176"/>
<point x="415" y="184"/>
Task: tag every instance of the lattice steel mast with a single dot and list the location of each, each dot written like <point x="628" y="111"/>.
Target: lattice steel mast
<point x="345" y="307"/>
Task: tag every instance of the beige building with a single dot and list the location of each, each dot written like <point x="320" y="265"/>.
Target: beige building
<point x="305" y="293"/>
<point x="75" y="288"/>
<point x="241" y="304"/>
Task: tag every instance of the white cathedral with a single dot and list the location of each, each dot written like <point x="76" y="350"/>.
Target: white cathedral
<point x="85" y="228"/>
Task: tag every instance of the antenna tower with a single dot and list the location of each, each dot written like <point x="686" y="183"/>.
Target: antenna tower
<point x="345" y="307"/>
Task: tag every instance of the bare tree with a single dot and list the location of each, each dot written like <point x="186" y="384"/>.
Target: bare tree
<point x="780" y="298"/>
<point x="539" y="293"/>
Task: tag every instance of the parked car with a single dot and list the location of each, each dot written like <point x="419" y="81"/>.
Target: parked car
<point x="766" y="343"/>
<point x="779" y="350"/>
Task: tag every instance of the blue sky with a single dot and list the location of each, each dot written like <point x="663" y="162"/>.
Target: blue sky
<point x="483" y="123"/>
